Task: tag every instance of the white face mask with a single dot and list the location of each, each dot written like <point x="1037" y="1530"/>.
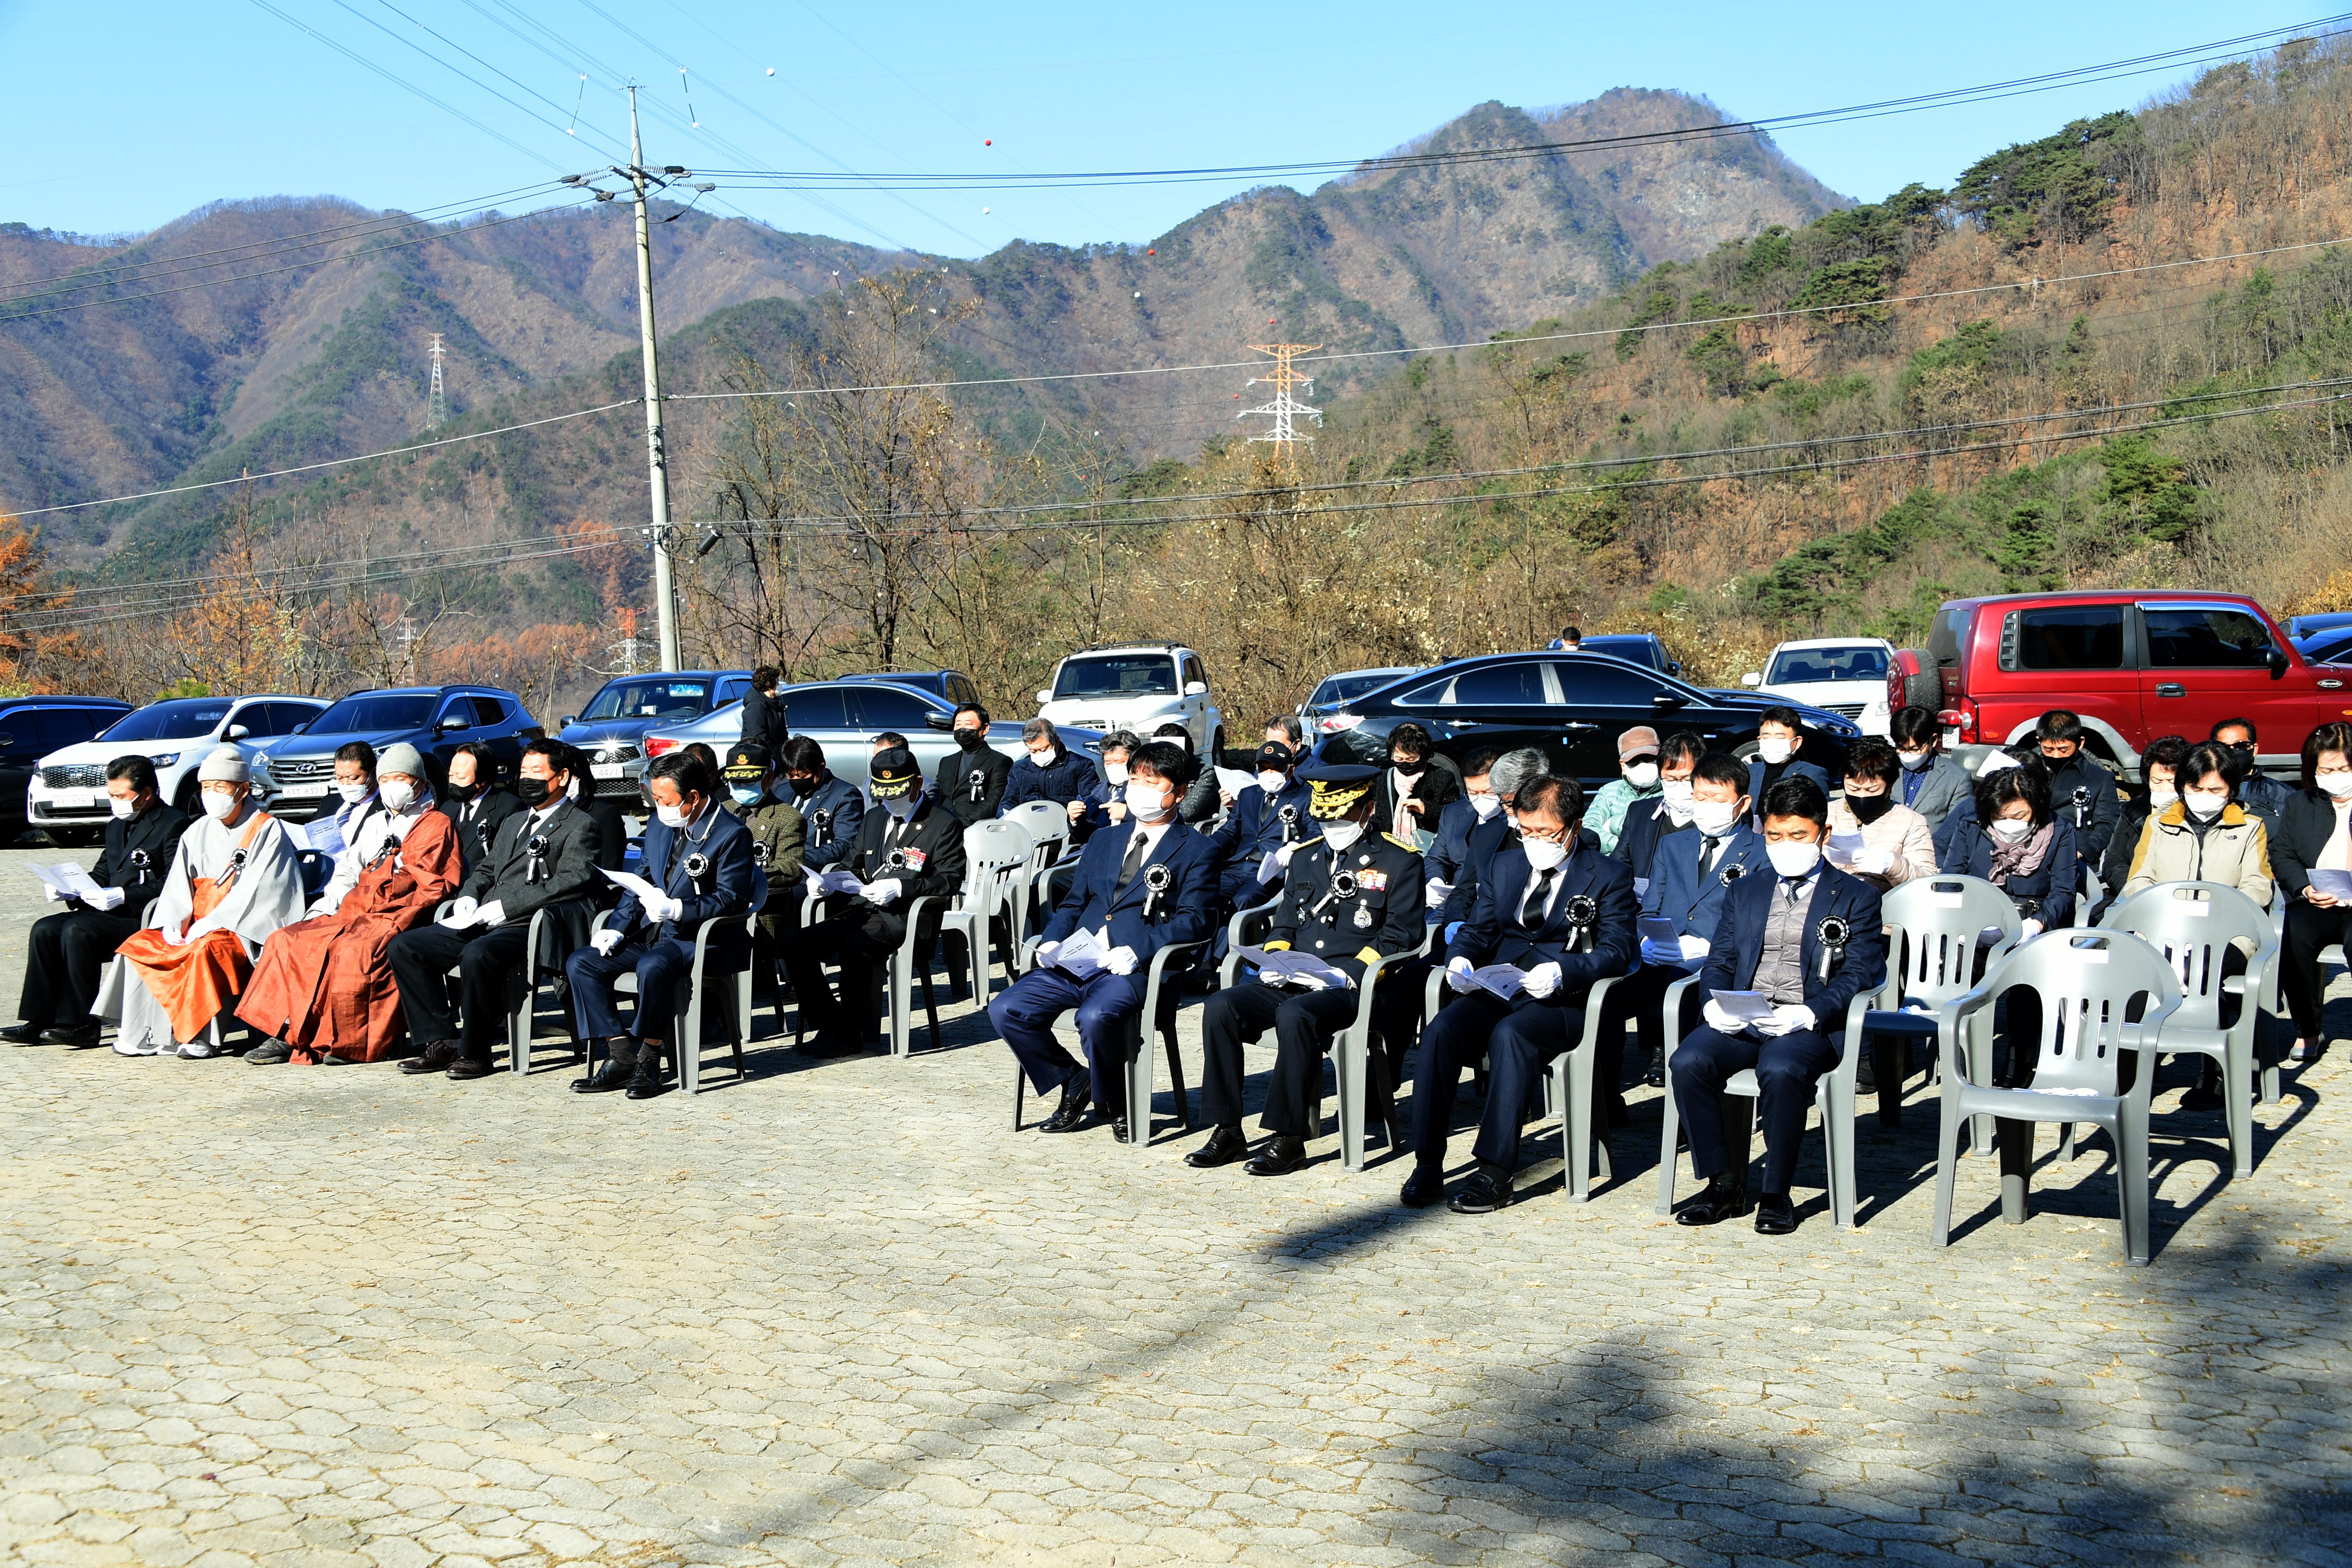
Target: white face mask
<point x="353" y="793"/>
<point x="902" y="808"/>
<point x="2011" y="829"/>
<point x="1543" y="853"/>
<point x="1342" y="835"/>
<point x="1676" y="793"/>
<point x="2205" y="805"/>
<point x="1272" y="782"/>
<point x="1793" y="859"/>
<point x="1043" y="759"/>
<point x="670" y="816"/>
<point x="1115" y="773"/>
<point x="1642" y="776"/>
<point x="1713" y="818"/>
<point x="2337" y="786"/>
<point x="218" y="806"/>
<point x="1488" y="805"/>
<point x="124" y="809"/>
<point x="2161" y="796"/>
<point x="1913" y="761"/>
<point x="1148" y="802"/>
<point x="398" y="795"/>
<point x="1774" y="749"/>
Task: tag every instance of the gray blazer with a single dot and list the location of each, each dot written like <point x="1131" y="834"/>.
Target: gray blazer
<point x="1947" y="783"/>
<point x="568" y="859"/>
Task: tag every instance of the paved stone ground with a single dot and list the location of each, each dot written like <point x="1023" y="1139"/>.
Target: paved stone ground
<point x="840" y="1314"/>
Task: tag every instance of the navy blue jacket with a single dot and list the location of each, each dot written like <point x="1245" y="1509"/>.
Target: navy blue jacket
<point x="1969" y="853"/>
<point x="834" y="811"/>
<point x="1443" y="859"/>
<point x="1647" y="826"/>
<point x="1070" y="778"/>
<point x="1479" y="847"/>
<point x="1798" y="768"/>
<point x="724" y="890"/>
<point x="1254" y="826"/>
<point x="1739" y="941"/>
<point x="1492" y="933"/>
<point x="1675" y="893"/>
<point x="1183" y="911"/>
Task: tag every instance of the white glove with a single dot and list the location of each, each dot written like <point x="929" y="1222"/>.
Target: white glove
<point x="1541" y="981"/>
<point x="1875" y="862"/>
<point x="1120" y="961"/>
<point x="1457" y="976"/>
<point x="814" y="883"/>
<point x="1435" y="892"/>
<point x="670" y="910"/>
<point x="1786" y="1019"/>
<point x="491" y="914"/>
<point x="460" y="914"/>
<point x="50" y="895"/>
<point x="1293" y="847"/>
<point x="1695" y="946"/>
<point x="2032" y="928"/>
<point x="1046" y="953"/>
<point x="884" y="892"/>
<point x="605" y="941"/>
<point x="1719" y="1018"/>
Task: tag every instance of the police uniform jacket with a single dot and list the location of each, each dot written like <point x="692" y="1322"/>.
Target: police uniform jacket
<point x="1183" y="911"/>
<point x="138" y="855"/>
<point x="1257" y="825"/>
<point x="1739" y="941"/>
<point x="971" y="784"/>
<point x="527" y="868"/>
<point x="925" y="853"/>
<point x="832" y="817"/>
<point x="478" y="822"/>
<point x="707" y="866"/>
<point x="1068" y="777"/>
<point x="1695" y="905"/>
<point x="1375" y="912"/>
<point x="1492" y="933"/>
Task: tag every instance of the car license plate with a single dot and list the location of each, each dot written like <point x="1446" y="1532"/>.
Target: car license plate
<point x="305" y="791"/>
<point x="73" y="799"/>
<point x="606" y="770"/>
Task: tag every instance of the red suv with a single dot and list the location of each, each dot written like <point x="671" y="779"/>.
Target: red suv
<point x="2134" y="664"/>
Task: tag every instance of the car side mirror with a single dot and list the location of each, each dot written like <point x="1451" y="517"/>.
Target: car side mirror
<point x="1045" y="697"/>
<point x="2279" y="663"/>
<point x="1666" y="701"/>
<point x="1753" y="677"/>
<point x="939" y="720"/>
<point x="454" y="723"/>
<point x="1196" y="688"/>
<point x="239" y="731"/>
<point x="564" y="722"/>
<point x="303" y="728"/>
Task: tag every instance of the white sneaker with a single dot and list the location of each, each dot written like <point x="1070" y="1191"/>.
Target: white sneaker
<point x="144" y="1045"/>
<point x="198" y="1049"/>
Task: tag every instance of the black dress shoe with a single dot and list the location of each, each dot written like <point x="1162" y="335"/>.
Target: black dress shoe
<point x="84" y="1037"/>
<point x="1485" y="1191"/>
<point x="434" y="1057"/>
<point x="1070" y="1115"/>
<point x="1282" y="1155"/>
<point x="646" y="1082"/>
<point x="1225" y="1146"/>
<point x="23" y="1034"/>
<point x="465" y="1069"/>
<point x="1423" y="1187"/>
<point x="1119" y="1130"/>
<point x="1656" y="1075"/>
<point x="1721" y="1200"/>
<point x="830" y="1045"/>
<point x="610" y="1075"/>
<point x="1775" y="1215"/>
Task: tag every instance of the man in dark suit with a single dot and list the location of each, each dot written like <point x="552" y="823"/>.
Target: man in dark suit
<point x="1555" y="907"/>
<point x="69" y="949"/>
<point x="1780" y="736"/>
<point x="2081" y="790"/>
<point x="1266" y="816"/>
<point x="971" y="780"/>
<point x="1807" y="939"/>
<point x="473" y="803"/>
<point x="544" y="856"/>
<point x="1352" y="896"/>
<point x="1477" y="802"/>
<point x="1650" y="822"/>
<point x="699" y="857"/>
<point x="1932" y="783"/>
<point x="911" y="848"/>
<point x="1140" y="886"/>
<point x="833" y="810"/>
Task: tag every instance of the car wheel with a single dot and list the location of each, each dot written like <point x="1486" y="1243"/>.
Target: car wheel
<point x="190" y="802"/>
<point x="1217" y="747"/>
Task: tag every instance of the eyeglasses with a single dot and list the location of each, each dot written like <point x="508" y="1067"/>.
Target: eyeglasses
<point x="1545" y="835"/>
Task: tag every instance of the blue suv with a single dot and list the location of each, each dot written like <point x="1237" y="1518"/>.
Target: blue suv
<point x="296" y="776"/>
<point x="612" y="729"/>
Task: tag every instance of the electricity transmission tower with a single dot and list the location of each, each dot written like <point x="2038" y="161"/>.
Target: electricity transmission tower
<point x="1285" y="409"/>
<point x="436" y="402"/>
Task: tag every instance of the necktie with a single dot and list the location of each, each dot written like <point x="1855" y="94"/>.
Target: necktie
<point x="1538" y="896"/>
<point x="1708" y="852"/>
<point x="1136" y="850"/>
<point x="1789" y="887"/>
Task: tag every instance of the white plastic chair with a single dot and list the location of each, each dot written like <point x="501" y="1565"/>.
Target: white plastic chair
<point x="1934" y="947"/>
<point x="2193" y="924"/>
<point x="2086" y="981"/>
<point x="685" y="1043"/>
<point x="1156" y="1015"/>
<point x="1049" y="825"/>
<point x="1567" y="1094"/>
<point x="1238" y="932"/>
<point x="522" y="1014"/>
<point x="996" y="866"/>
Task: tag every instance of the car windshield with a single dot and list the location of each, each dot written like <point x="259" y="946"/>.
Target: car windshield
<point x="1348" y="688"/>
<point x="182" y="719"/>
<point x="1117" y="675"/>
<point x="649" y="699"/>
<point x="1797" y="665"/>
<point x="372" y="710"/>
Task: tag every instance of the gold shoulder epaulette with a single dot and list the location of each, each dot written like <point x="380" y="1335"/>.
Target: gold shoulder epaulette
<point x="1401" y="843"/>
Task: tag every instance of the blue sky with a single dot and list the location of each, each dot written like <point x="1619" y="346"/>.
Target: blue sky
<point x="125" y="113"/>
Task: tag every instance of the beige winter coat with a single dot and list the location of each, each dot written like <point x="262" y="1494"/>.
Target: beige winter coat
<point x="2235" y="852"/>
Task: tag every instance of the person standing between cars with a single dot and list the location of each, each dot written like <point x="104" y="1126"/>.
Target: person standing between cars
<point x="1569" y="641"/>
<point x="472" y="801"/>
<point x="970" y="779"/>
<point x="764" y="719"/>
<point x="1648" y="825"/>
<point x="2315" y="835"/>
<point x="2080" y="791"/>
<point x="1640" y="783"/>
<point x="1932" y="783"/>
<point x="67" y="951"/>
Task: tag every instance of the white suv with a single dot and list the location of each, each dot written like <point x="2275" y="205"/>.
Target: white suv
<point x="1137" y="687"/>
<point x="1844" y="675"/>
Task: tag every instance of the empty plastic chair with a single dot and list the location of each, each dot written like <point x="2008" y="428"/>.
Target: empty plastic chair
<point x="1934" y="950"/>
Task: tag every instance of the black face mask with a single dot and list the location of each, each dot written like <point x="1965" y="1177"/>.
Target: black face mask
<point x="970" y="740"/>
<point x="2239" y="765"/>
<point x="461" y="794"/>
<point x="1869" y="808"/>
<point x="533" y="792"/>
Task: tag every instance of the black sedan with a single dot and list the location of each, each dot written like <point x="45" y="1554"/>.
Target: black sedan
<point x="1570" y="705"/>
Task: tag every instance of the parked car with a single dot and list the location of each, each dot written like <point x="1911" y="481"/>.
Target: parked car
<point x="952" y="684"/>
<point x="2330" y="646"/>
<point x="1139" y="687"/>
<point x="30" y="728"/>
<point x="2299" y="628"/>
<point x="68" y="798"/>
<point x="2134" y="664"/>
<point x="844" y="717"/>
<point x="1646" y="648"/>
<point x="611" y="729"/>
<point x="296" y="776"/>
<point x="1572" y="706"/>
<point x="1844" y="675"/>
<point x="1331" y="694"/>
